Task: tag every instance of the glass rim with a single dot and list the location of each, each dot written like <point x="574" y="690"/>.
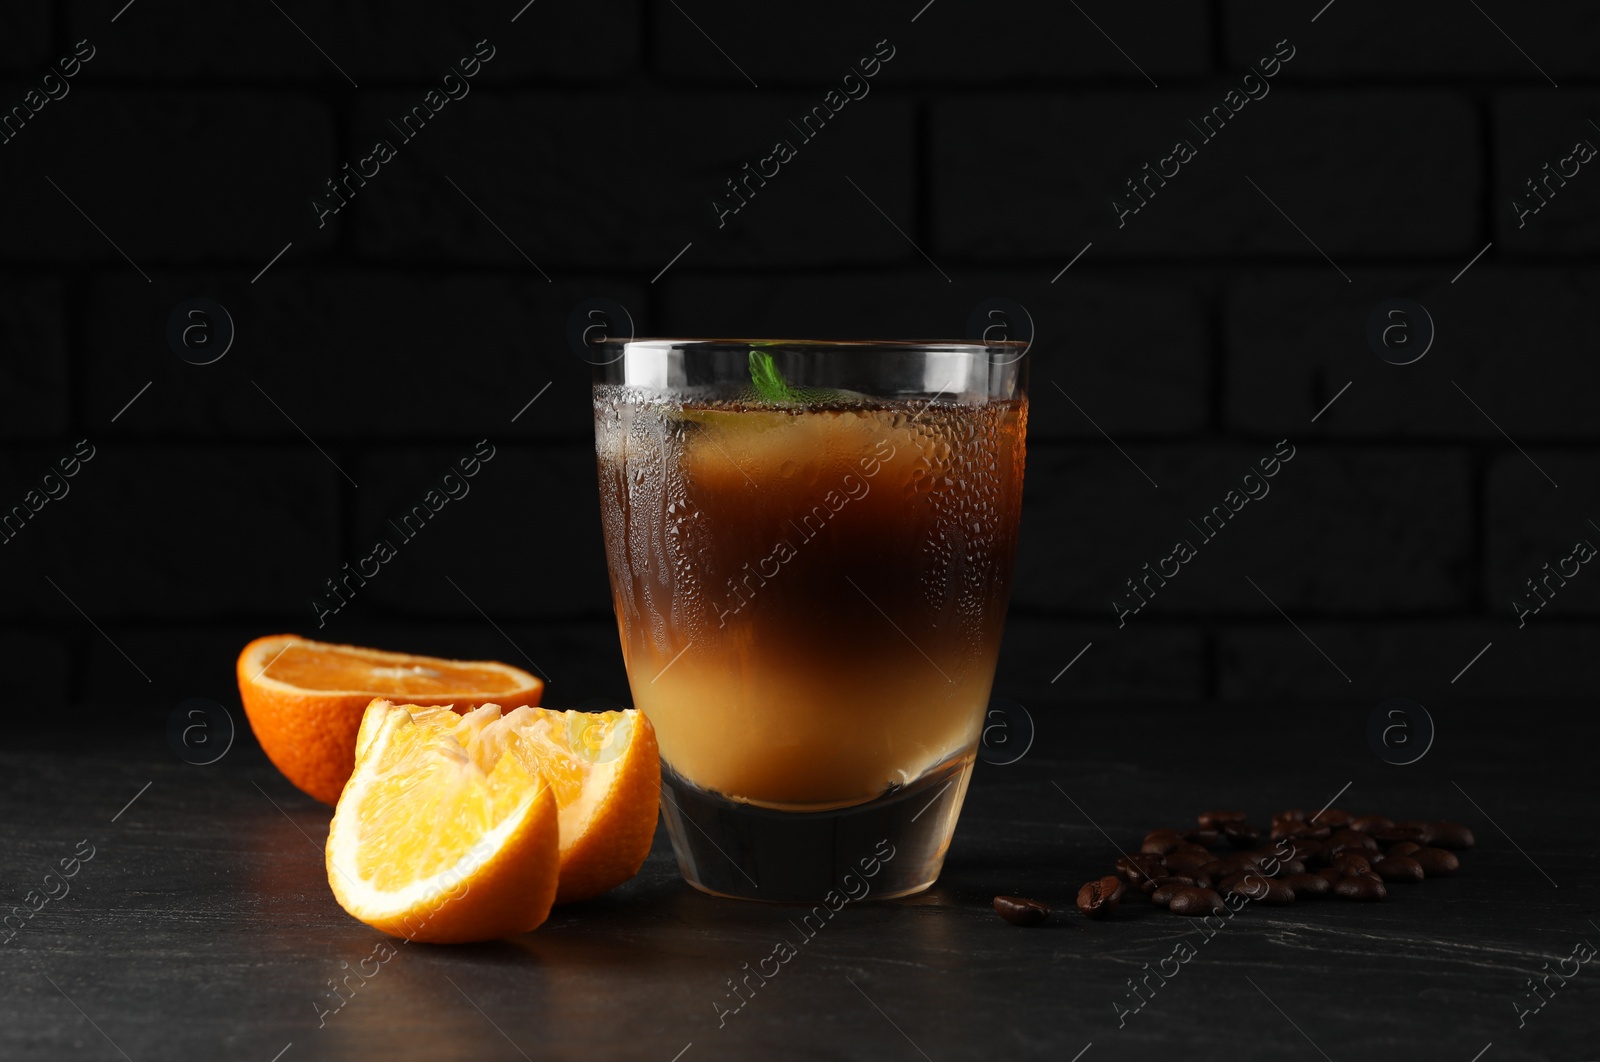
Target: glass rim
<point x="953" y="346"/>
<point x="864" y="365"/>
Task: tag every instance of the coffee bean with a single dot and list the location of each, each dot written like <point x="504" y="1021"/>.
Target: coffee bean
<point x="1098" y="898"/>
<point x="1252" y="885"/>
<point x="1332" y="817"/>
<point x="1350" y="863"/>
<point x="1163" y="896"/>
<point x="1452" y="835"/>
<point x="1231" y="862"/>
<point x="1332" y="875"/>
<point x="1290" y="815"/>
<point x="1160" y="842"/>
<point x="1214" y="820"/>
<point x="1403" y="848"/>
<point x="1230" y="883"/>
<point x="1361" y="887"/>
<point x="1193" y="902"/>
<point x="1209" y="838"/>
<point x="1278" y="892"/>
<point x="1436" y="862"/>
<point x="1181" y="861"/>
<point x="1397" y="834"/>
<point x="1241" y="834"/>
<point x="1335" y="854"/>
<point x="1149" y="885"/>
<point x="1370" y="822"/>
<point x="1402" y="869"/>
<point x="1020" y="911"/>
<point x="1134" y="869"/>
<point x="1271" y="859"/>
<point x="1306" y="885"/>
<point x="1246" y="883"/>
<point x="1291" y="866"/>
<point x="1300" y="829"/>
<point x="1304" y="847"/>
<point x="1425" y="836"/>
<point x="1353" y="837"/>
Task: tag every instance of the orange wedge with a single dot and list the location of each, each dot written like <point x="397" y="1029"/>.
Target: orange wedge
<point x="606" y="773"/>
<point x="444" y="841"/>
<point x="305" y="699"/>
<point x="603" y="766"/>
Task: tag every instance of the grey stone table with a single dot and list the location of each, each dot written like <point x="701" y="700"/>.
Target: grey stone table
<point x="201" y="927"/>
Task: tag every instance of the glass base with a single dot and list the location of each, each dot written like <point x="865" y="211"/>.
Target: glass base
<point x="890" y="846"/>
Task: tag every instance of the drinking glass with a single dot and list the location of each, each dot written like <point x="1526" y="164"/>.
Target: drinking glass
<point x="810" y="546"/>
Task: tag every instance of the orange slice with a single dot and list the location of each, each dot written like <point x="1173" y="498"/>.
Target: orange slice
<point x="603" y="766"/>
<point x="443" y="841"/>
<point x="305" y="699"/>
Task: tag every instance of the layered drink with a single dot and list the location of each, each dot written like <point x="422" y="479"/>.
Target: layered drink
<point x="810" y="597"/>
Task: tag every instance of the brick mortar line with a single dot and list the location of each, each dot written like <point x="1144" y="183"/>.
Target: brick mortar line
<point x="377" y="269"/>
<point x="630" y="81"/>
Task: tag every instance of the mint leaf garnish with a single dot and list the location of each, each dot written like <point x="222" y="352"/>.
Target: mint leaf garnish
<point x="770" y="386"/>
<point x="768" y="381"/>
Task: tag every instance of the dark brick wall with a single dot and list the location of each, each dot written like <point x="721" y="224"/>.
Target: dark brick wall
<point x="1195" y="335"/>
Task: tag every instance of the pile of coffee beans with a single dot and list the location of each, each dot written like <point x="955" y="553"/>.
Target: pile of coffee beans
<point x="1331" y="853"/>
